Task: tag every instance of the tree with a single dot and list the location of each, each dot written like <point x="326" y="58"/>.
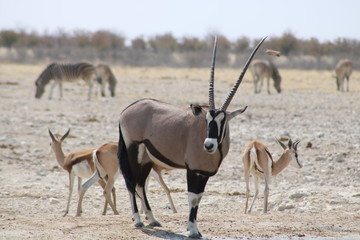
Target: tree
<point x="8" y="38"/>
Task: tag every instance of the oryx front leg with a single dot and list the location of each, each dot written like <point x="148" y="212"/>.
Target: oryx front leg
<point x="196" y="185"/>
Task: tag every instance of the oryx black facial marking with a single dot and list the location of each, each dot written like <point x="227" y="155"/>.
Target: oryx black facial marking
<point x="216" y="127"/>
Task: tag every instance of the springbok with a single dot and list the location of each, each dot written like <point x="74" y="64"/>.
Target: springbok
<point x="64" y="72"/>
<point x="261" y="69"/>
<point x="258" y="162"/>
<point x="104" y="76"/>
<point x="343" y="71"/>
<point x="79" y="163"/>
<point x="196" y="139"/>
<point x="107" y="165"/>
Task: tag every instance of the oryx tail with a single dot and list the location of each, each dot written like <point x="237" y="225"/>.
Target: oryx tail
<point x="124" y="164"/>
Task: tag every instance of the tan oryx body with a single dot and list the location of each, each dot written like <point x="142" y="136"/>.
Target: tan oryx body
<point x="196" y="139"/>
<point x="259" y="163"/>
<point x="107" y="169"/>
<point x="64" y="72"/>
<point x="343" y="71"/>
<point x="104" y="76"/>
<point x="261" y="69"/>
<point x="78" y="164"/>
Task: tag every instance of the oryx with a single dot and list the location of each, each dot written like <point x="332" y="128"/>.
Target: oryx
<point x="196" y="139"/>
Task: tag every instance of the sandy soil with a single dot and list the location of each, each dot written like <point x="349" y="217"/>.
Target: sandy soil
<point x="321" y="200"/>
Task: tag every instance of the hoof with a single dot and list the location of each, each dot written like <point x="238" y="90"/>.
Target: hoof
<point x="139" y="225"/>
<point x="195" y="235"/>
<point x="155" y="224"/>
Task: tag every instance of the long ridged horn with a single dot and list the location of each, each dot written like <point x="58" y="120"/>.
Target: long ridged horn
<point x="237" y="84"/>
<point x="212" y="73"/>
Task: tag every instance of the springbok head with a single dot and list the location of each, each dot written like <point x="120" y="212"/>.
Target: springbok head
<point x="55" y="142"/>
<point x="292" y="146"/>
<point x="217" y="118"/>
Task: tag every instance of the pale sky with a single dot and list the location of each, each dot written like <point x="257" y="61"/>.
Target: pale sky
<point x="323" y="19"/>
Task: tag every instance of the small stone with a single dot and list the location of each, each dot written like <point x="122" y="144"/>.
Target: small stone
<point x="298" y="195"/>
<point x="284" y="207"/>
<point x="54" y="201"/>
<point x="320" y="159"/>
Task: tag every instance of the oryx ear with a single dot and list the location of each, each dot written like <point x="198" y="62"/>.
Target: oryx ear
<point x="197" y="110"/>
<point x="236" y="112"/>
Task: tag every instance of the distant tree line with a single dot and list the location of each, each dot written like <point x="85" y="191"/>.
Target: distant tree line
<point x="165" y="50"/>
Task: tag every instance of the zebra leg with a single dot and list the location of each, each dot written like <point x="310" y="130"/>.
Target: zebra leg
<point x="256" y="82"/>
<point x="90" y="89"/>
<point x="196" y="185"/>
<point x="52" y="88"/>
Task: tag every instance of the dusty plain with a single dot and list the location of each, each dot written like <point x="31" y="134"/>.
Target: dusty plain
<point x="319" y="201"/>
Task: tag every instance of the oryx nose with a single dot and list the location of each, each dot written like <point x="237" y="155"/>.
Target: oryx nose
<point x="209" y="146"/>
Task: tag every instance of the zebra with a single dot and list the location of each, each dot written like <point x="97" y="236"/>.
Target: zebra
<point x="105" y="75"/>
<point x="64" y="72"/>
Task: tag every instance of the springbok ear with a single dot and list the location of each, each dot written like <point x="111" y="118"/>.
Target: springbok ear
<point x="51" y="135"/>
<point x="197" y="110"/>
<point x="236" y="112"/>
<point x="65" y="135"/>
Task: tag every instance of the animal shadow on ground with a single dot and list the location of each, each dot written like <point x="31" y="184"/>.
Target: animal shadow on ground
<point x="162" y="233"/>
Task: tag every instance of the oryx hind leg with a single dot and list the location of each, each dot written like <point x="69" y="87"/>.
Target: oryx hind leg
<point x="146" y="166"/>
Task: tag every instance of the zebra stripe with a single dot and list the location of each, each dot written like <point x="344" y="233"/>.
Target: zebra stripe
<point x="64" y="72"/>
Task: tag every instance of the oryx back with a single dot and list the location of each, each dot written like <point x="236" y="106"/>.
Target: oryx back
<point x="172" y="136"/>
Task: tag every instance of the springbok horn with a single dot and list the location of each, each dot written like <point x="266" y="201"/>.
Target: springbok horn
<point x="65" y="135"/>
<point x="51" y="135"/>
<point x="211" y="84"/>
<point x="281" y="144"/>
<point x="237" y="84"/>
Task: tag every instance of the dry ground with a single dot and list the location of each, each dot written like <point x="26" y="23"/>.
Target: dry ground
<point x="321" y="200"/>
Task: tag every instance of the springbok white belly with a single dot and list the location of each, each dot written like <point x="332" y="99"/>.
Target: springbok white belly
<point x="82" y="169"/>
